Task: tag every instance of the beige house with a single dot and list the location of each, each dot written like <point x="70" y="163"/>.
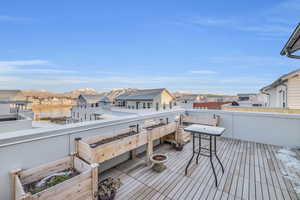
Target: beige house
<point x="157" y="99"/>
<point x="284" y="92"/>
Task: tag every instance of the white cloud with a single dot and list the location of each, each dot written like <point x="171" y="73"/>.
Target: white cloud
<point x="210" y="21"/>
<point x="25" y="66"/>
<point x="6" y="18"/>
<point x="202" y="72"/>
<point x="24" y="62"/>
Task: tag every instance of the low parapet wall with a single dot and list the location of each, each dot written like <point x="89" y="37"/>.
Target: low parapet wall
<point x="269" y="128"/>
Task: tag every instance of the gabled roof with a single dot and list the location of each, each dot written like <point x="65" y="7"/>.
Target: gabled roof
<point x="147" y="94"/>
<point x="280" y="80"/>
<point x="91" y="98"/>
<point x="293" y="44"/>
<point x="11" y="95"/>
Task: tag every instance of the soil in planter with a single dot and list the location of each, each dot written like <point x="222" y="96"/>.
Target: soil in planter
<point x="111" y="139"/>
<point x="155" y="126"/>
<point x="159" y="157"/>
<point x="53" y="180"/>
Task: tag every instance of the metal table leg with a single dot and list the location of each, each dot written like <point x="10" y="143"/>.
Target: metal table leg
<point x="210" y="158"/>
<point x="192" y="155"/>
<point x="217" y="155"/>
<point x="199" y="149"/>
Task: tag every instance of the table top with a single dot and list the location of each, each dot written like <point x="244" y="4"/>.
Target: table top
<point x="203" y="129"/>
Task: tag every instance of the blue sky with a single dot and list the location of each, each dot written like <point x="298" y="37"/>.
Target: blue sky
<point x="199" y="46"/>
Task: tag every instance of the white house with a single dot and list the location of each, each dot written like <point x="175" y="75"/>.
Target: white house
<point x="285" y="91"/>
<point x="13" y="111"/>
<point x="252" y="100"/>
<point x="87" y="106"/>
<point x="157" y="99"/>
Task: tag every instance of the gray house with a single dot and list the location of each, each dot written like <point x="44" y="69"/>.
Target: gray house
<point x="146" y="99"/>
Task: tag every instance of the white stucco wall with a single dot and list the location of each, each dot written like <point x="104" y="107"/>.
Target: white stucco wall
<point x="4" y="109"/>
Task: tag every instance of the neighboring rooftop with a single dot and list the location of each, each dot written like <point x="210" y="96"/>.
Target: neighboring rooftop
<point x="147" y="94"/>
<point x="293" y="44"/>
<point x="281" y="79"/>
<point x="91" y="98"/>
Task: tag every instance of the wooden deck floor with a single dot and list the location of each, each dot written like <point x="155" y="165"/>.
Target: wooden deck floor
<point x="251" y="172"/>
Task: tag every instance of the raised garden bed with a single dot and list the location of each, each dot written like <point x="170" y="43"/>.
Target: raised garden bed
<point x="100" y="148"/>
<point x="68" y="178"/>
<point x="160" y="130"/>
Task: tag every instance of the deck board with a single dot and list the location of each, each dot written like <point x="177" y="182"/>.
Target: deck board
<point x="252" y="171"/>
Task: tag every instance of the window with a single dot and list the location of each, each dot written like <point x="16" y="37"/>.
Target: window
<point x="78" y="115"/>
<point x="90" y="117"/>
<point x="148" y="104"/>
<point x="84" y="116"/>
<point x="244" y="98"/>
<point x="97" y="104"/>
<point x="92" y="105"/>
<point x="144" y="105"/>
<point x="164" y="106"/>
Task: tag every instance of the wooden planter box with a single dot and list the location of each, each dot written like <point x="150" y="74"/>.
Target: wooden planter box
<point x="109" y="150"/>
<point x="83" y="186"/>
<point x="161" y="131"/>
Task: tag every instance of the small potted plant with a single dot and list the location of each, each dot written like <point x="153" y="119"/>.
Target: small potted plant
<point x="108" y="188"/>
<point x="178" y="146"/>
<point x="158" y="161"/>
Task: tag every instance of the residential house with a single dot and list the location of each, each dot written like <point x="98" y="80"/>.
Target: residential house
<point x="284" y="92"/>
<point x="14" y="114"/>
<point x="158" y="99"/>
<point x="252" y="100"/>
<point x="187" y="100"/>
<point x="87" y="106"/>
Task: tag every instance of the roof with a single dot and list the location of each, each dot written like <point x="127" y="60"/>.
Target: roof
<point x="280" y="80"/>
<point x="188" y="97"/>
<point x="293" y="44"/>
<point x="14" y="102"/>
<point x="11" y="95"/>
<point x="92" y="98"/>
<point x="210" y="104"/>
<point x="147" y="94"/>
<point x="246" y="94"/>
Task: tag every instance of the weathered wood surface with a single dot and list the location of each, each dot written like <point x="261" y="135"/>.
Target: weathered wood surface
<point x="252" y="171"/>
<point x="80" y="187"/>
